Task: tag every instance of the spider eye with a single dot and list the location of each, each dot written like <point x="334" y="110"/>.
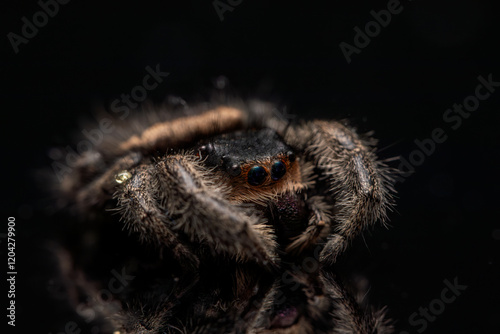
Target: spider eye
<point x="234" y="170"/>
<point x="205" y="150"/>
<point x="232" y="167"/>
<point x="278" y="170"/>
<point x="256" y="175"/>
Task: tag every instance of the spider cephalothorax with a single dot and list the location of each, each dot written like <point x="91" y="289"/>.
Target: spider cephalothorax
<point x="260" y="169"/>
<point x="235" y="198"/>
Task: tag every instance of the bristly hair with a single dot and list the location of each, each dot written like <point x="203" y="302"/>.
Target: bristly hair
<point x="213" y="249"/>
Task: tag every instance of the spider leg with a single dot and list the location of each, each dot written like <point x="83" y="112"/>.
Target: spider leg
<point x="102" y="188"/>
<point x="139" y="206"/>
<point x="360" y="185"/>
<point x="349" y="316"/>
<point x="198" y="209"/>
<point x="153" y="312"/>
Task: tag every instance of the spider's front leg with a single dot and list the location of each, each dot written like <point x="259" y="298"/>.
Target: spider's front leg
<point x="358" y="183"/>
<point x="196" y="203"/>
<point x="176" y="195"/>
<point x="141" y="211"/>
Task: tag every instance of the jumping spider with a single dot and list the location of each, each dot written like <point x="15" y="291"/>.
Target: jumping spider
<point x="235" y="219"/>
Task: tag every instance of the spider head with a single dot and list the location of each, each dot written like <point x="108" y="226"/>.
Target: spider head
<point x="251" y="160"/>
<point x="257" y="167"/>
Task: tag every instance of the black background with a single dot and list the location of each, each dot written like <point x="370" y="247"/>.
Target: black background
<point x="400" y="85"/>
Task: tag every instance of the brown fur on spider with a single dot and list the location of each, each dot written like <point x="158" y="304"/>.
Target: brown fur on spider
<point x="233" y="199"/>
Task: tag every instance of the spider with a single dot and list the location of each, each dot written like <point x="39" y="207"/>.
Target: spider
<point x="235" y="220"/>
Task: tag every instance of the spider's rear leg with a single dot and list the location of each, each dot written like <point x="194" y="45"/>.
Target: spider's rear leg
<point x="139" y="206"/>
<point x="197" y="205"/>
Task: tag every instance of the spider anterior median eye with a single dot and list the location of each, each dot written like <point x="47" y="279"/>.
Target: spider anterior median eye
<point x="278" y="170"/>
<point x="257" y="175"/>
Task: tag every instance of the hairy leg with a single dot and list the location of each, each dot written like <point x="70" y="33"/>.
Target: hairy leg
<point x="199" y="210"/>
<point x="102" y="188"/>
<point x="139" y="207"/>
<point x="351" y="317"/>
<point x="360" y="185"/>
